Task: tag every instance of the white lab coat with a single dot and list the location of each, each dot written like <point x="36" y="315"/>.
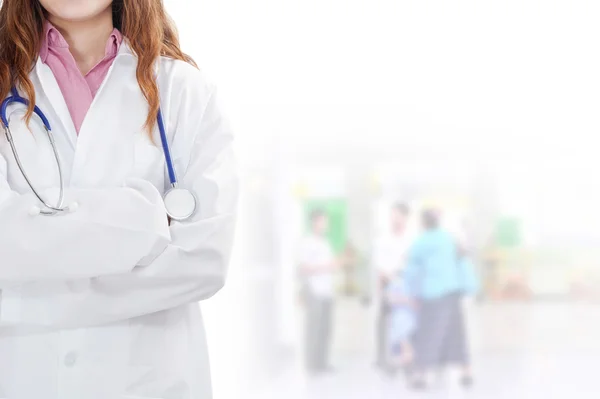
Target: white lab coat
<point x="101" y="303"/>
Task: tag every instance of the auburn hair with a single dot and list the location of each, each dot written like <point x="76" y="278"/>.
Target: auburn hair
<point x="144" y="23"/>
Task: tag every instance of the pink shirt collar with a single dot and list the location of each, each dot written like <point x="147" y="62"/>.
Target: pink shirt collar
<point x="78" y="90"/>
<point x="52" y="38"/>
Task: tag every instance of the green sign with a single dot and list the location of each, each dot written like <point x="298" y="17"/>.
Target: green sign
<point x="508" y="233"/>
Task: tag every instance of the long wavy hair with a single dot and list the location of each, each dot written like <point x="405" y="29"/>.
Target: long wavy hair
<point x="145" y="23"/>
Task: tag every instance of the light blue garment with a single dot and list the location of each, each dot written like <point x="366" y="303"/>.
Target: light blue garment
<point x="434" y="268"/>
<point x="401" y="319"/>
<point x="470" y="280"/>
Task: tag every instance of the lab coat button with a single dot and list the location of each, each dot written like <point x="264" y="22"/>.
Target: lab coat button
<point x="70" y="359"/>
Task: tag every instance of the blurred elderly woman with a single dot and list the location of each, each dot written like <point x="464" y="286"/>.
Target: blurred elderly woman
<point x="438" y="274"/>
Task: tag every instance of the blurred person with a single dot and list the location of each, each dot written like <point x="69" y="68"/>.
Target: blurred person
<point x="438" y="274"/>
<point x="318" y="266"/>
<point x="389" y="256"/>
<point x="401" y="320"/>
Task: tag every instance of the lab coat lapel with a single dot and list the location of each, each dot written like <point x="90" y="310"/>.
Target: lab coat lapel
<point x="105" y="146"/>
<point x="124" y="50"/>
<point x="57" y="102"/>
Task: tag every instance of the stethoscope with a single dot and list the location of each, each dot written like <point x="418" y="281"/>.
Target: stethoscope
<point x="180" y="203"/>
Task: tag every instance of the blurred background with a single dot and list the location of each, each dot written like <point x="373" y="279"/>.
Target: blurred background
<point x="486" y="111"/>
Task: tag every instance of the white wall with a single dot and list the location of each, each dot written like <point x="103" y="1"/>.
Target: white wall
<point x="514" y="71"/>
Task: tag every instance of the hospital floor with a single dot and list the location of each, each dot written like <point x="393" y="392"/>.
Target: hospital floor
<point x="521" y="350"/>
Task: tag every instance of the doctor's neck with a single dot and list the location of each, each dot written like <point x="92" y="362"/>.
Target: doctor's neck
<point x="86" y="38"/>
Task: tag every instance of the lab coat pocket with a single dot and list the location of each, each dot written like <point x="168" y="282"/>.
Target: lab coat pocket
<point x="149" y="161"/>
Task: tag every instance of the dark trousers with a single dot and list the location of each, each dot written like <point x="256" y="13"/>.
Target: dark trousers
<point x="441" y="337"/>
<point x="381" y="327"/>
<point x="319" y="318"/>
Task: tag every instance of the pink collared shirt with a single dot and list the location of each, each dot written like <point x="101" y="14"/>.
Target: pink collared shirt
<point x="78" y="90"/>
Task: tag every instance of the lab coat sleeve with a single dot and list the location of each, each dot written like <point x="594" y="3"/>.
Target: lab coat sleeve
<point x="127" y="222"/>
<point x="191" y="268"/>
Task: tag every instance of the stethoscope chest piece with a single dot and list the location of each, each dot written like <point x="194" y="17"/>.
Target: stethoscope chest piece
<point x="180" y="203"/>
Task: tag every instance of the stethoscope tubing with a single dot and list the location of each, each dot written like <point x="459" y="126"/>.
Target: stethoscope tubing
<point x="15" y="97"/>
<point x="52" y="210"/>
<point x="166" y="149"/>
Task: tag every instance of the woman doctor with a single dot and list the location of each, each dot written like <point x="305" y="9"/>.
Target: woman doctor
<point x="99" y="302"/>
